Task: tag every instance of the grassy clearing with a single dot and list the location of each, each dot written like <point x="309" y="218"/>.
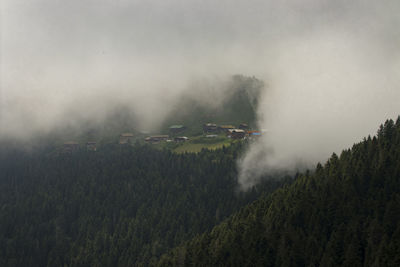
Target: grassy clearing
<point x="196" y="145"/>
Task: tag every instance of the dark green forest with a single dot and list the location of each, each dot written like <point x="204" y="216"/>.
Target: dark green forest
<point x="119" y="206"/>
<point x="345" y="213"/>
<point x="134" y="205"/>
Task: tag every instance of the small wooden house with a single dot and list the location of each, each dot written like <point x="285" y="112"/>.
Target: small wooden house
<point x="226" y="128"/>
<point x="210" y="128"/>
<point x="179" y="139"/>
<point x="91" y="146"/>
<point x="254" y="134"/>
<point x="125" y="138"/>
<point x="244" y="126"/>
<point x="70" y="146"/>
<point x="237" y="133"/>
<point x="175" y="129"/>
<point x="157" y="138"/>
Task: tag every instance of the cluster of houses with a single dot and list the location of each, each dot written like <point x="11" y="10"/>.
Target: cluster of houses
<point x="124" y="138"/>
<point x="211" y="130"/>
<point x="174" y="130"/>
<point x="156" y="138"/>
<point x="72" y="146"/>
<point x="241" y="132"/>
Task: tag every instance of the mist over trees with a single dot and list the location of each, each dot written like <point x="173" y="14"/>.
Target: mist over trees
<point x="131" y="205"/>
<point x="345" y="213"/>
<point x="232" y="101"/>
<point x="310" y="76"/>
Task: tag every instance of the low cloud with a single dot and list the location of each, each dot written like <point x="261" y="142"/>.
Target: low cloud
<point x="331" y="68"/>
<point x="327" y="90"/>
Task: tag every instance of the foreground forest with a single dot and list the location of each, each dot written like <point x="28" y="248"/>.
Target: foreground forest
<point x="133" y="205"/>
<point x="346" y="213"/>
<point x="119" y="206"/>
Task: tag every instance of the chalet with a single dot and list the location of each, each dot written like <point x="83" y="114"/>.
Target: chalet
<point x="174" y="129"/>
<point x="210" y="128"/>
<point x="156" y="138"/>
<point x="254" y="134"/>
<point x="70" y="146"/>
<point x="237" y="133"/>
<point x="125" y="138"/>
<point x="226" y="128"/>
<point x="180" y="139"/>
<point x="244" y="126"/>
<point x="91" y="146"/>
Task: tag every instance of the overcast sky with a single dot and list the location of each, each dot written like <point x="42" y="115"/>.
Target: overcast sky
<point x="332" y="66"/>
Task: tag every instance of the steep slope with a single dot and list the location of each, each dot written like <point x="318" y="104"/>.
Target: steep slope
<point x="347" y="213"/>
<point x="237" y="104"/>
<point x="119" y="206"/>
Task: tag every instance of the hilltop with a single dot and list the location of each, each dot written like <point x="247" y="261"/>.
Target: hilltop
<point x="235" y="104"/>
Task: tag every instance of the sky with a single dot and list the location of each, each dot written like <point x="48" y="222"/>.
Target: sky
<point x="331" y="67"/>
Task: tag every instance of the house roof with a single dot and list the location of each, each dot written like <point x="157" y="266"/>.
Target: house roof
<point x="71" y="143"/>
<point x="237" y="131"/>
<point x="227" y="126"/>
<point x="127" y="135"/>
<point x="176" y="126"/>
<point x="182" y="137"/>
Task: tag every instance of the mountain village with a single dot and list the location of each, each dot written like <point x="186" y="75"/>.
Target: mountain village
<point x="176" y="135"/>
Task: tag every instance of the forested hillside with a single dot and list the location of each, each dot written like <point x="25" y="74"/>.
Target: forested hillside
<point x="119" y="206"/>
<point x="233" y="102"/>
<point x="346" y="213"/>
<point x="232" y="105"/>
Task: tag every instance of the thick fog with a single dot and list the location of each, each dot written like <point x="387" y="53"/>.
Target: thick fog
<point x="332" y="67"/>
<point x="330" y="85"/>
